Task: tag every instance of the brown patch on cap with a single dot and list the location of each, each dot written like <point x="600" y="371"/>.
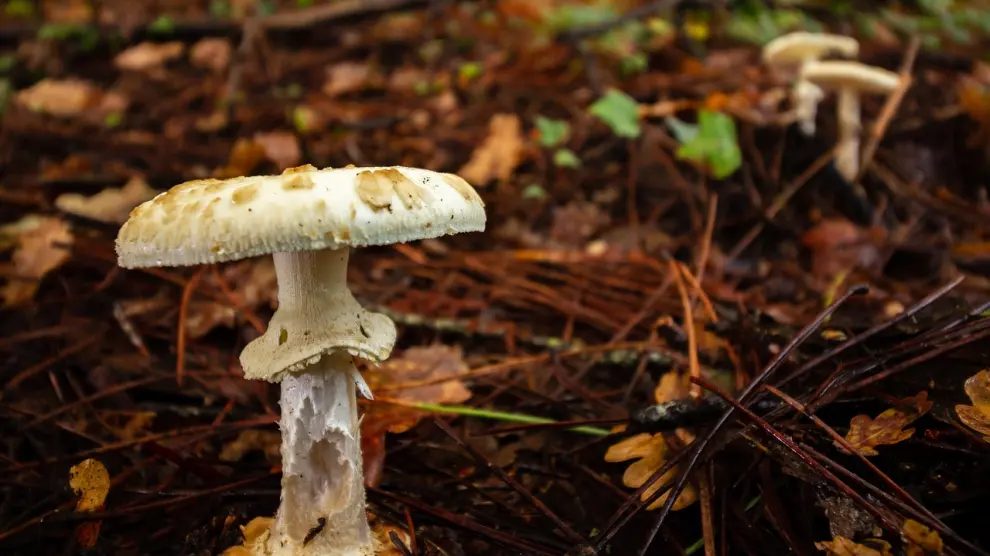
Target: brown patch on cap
<point x="299" y="169"/>
<point x="462" y="187"/>
<point x="409" y="192"/>
<point x="375" y="190"/>
<point x="298" y="182"/>
<point x="244" y="195"/>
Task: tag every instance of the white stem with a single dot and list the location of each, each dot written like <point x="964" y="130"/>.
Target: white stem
<point x="322" y="471"/>
<point x="322" y="475"/>
<point x="850" y="127"/>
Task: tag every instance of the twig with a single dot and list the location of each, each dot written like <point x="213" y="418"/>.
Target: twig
<point x="694" y="368"/>
<point x="180" y="343"/>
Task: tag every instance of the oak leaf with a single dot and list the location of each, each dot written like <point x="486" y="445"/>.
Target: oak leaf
<point x="650" y="453"/>
<point x="977" y="416"/>
<point x="865" y="434"/>
<point x="500" y="153"/>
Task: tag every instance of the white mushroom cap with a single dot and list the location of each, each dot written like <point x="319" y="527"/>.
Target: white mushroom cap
<point x="800" y="46"/>
<point x="210" y="221"/>
<point x="841" y="75"/>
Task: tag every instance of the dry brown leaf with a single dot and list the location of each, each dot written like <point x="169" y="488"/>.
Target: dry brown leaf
<point x="281" y="147"/>
<point x="149" y="55"/>
<point x="865" y="434"/>
<point x="254" y="532"/>
<point x="416" y="364"/>
<point x="36" y="255"/>
<point x="499" y="154"/>
<point x="268" y="442"/>
<point x="59" y="97"/>
<point x="136" y="425"/>
<point x="204" y="316"/>
<point x="841" y="546"/>
<point x="977" y="416"/>
<point x="838" y="245"/>
<point x="650" y="451"/>
<point x="90" y="481"/>
<point x="576" y="222"/>
<point x="348" y="77"/>
<point x="212" y="54"/>
<point x="245" y="156"/>
<point x="111" y="205"/>
<point x="921" y="541"/>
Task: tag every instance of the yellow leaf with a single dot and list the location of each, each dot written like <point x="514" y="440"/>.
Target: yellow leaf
<point x="269" y="442"/>
<point x="977" y="416"/>
<point x="500" y="153"/>
<point x="148" y="55"/>
<point x="921" y="541"/>
<point x="650" y="451"/>
<point x="841" y="546"/>
<point x="672" y="386"/>
<point x="865" y="434"/>
<point x="110" y="205"/>
<point x="90" y="481"/>
<point x="255" y="532"/>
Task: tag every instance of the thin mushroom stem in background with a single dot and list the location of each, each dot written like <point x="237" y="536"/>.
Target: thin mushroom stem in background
<point x="850" y="128"/>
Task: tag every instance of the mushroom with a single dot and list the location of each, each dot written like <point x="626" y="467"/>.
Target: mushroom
<point x="308" y="219"/>
<point x="799" y="49"/>
<point x="850" y="79"/>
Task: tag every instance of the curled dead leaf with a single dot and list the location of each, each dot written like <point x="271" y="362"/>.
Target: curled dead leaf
<point x="977" y="416"/>
<point x="499" y="154"/>
<point x="865" y="434"/>
<point x="281" y="147"/>
<point x="211" y="53"/>
<point x="111" y="205"/>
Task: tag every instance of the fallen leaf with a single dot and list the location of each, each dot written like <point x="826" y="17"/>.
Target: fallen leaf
<point x="245" y="156"/>
<point x="619" y="111"/>
<point x="36" y="255"/>
<point x="136" y="425"/>
<point x="90" y="481"/>
<point x="149" y="55"/>
<point x="204" y="316"/>
<point x="921" y="541"/>
<point x="110" y="205"/>
<point x="65" y="97"/>
<point x="574" y="223"/>
<point x="281" y="147"/>
<point x="977" y="416"/>
<point x="865" y="434"/>
<point x="348" y="77"/>
<point x="499" y="154"/>
<point x="267" y="442"/>
<point x="841" y="546"/>
<point x="212" y="54"/>
<point x="415" y="364"/>
<point x="255" y="532"/>
<point x="650" y="451"/>
<point x="837" y="246"/>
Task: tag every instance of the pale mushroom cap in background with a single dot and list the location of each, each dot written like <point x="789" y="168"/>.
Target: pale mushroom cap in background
<point x="795" y="48"/>
<point x="210" y="221"/>
<point x="838" y="75"/>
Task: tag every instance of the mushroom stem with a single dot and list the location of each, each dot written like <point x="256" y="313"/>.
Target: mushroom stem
<point x="322" y="474"/>
<point x="850" y="127"/>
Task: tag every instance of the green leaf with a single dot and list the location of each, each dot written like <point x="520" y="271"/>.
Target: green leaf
<point x="534" y="191"/>
<point x="19" y="8"/>
<point x="565" y="158"/>
<point x="552" y="132"/>
<point x="469" y="71"/>
<point x="162" y="25"/>
<point x="618" y="111"/>
<point x="714" y="146"/>
<point x="683" y="131"/>
<point x="220" y="9"/>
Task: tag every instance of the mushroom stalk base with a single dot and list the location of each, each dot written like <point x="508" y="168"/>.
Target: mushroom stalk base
<point x="322" y="511"/>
